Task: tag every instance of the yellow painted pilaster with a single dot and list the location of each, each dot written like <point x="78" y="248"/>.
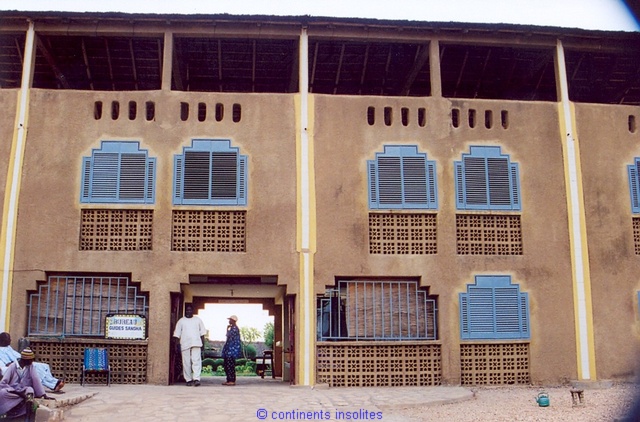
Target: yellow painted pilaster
<point x="12" y="188"/>
<point x="306" y="226"/>
<point x="585" y="344"/>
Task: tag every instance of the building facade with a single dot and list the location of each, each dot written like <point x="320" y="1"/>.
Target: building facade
<point x="416" y="203"/>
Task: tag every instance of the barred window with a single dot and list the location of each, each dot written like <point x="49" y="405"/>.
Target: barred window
<point x="376" y="310"/>
<point x="487" y="180"/>
<point x="118" y="172"/>
<point x="493" y="308"/>
<point x="77" y="305"/>
<point x="210" y="172"/>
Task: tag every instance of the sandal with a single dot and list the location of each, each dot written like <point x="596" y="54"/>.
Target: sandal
<point x="59" y="385"/>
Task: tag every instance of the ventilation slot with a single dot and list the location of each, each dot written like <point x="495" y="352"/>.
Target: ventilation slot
<point x="202" y="112"/>
<point x="237" y="113"/>
<point x="371" y="116"/>
<point x="184" y="111"/>
<point x="97" y="110"/>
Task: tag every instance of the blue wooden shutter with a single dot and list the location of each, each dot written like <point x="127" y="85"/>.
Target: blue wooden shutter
<point x="133" y="180"/>
<point x="210" y="172"/>
<point x="242" y="180"/>
<point x="373" y="184"/>
<point x="197" y="175"/>
<point x="486" y="180"/>
<point x="492" y="309"/>
<point x="389" y="182"/>
<point x="119" y="172"/>
<point x="224" y="177"/>
<point x="177" y="179"/>
<point x="401" y="177"/>
<point x="85" y="194"/>
<point x="459" y="176"/>
<point x="414" y="182"/>
<point x="104" y="180"/>
<point x="634" y="186"/>
<point x="475" y="182"/>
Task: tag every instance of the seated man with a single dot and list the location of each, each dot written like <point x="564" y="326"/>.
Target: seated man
<point x="8" y="355"/>
<point x="19" y="384"/>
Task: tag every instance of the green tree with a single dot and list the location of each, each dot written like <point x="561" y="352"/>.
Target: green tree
<point x="249" y="335"/>
<point x="268" y="335"/>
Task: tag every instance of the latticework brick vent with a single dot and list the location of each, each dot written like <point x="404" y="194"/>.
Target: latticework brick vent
<point x="208" y="231"/>
<point x="128" y="361"/>
<point x="495" y="364"/>
<point x="116" y="230"/>
<point x="636" y="234"/>
<point x="478" y="234"/>
<point x="369" y="364"/>
<point x="402" y="234"/>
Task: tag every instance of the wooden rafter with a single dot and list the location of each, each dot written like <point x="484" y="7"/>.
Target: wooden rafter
<point x="133" y="64"/>
<point x="106" y="47"/>
<point x="422" y="56"/>
<point x="87" y="67"/>
<point x="52" y="63"/>
<point x="364" y="67"/>
<point x="482" y="73"/>
<point x="220" y="65"/>
<point x="337" y="79"/>
<point x="313" y="67"/>
<point x="464" y="64"/>
<point x="386" y="70"/>
<point x="253" y="66"/>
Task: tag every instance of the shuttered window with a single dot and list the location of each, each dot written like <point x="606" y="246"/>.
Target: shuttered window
<point x="487" y="180"/>
<point x="402" y="178"/>
<point x="492" y="309"/>
<point x="634" y="185"/>
<point x="118" y="172"/>
<point x="210" y="172"/>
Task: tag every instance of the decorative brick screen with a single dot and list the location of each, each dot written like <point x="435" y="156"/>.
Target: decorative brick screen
<point x="369" y="364"/>
<point x="636" y="234"/>
<point x="402" y="234"/>
<point x="116" y="230"/>
<point x="208" y="231"/>
<point x="478" y="234"/>
<point x="128" y="360"/>
<point x="495" y="364"/>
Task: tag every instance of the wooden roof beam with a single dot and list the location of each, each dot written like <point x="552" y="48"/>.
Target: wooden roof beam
<point x="52" y="63"/>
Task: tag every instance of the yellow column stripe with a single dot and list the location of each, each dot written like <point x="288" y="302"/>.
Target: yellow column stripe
<point x="306" y="224"/>
<point x="14" y="173"/>
<point x="581" y="278"/>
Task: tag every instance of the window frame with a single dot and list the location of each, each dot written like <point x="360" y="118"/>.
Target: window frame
<point x="633" y="170"/>
<point x="471" y="180"/>
<point x="494" y="302"/>
<point x="107" y="170"/>
<point x="406" y="177"/>
<point x="212" y="147"/>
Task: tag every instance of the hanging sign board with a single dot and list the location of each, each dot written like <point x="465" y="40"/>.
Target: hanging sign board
<point x="130" y="327"/>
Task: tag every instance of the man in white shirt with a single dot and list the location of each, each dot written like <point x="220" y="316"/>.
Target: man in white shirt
<point x="190" y="333"/>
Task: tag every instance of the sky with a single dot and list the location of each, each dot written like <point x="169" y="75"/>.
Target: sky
<point x="215" y="317"/>
<point x="586" y="14"/>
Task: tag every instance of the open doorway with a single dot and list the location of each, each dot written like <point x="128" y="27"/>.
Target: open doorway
<point x="256" y="327"/>
<point x="256" y="301"/>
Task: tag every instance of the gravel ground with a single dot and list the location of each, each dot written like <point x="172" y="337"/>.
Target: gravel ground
<point x="519" y="404"/>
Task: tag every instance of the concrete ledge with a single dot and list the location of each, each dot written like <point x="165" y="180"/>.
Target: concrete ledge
<point x="53" y="410"/>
